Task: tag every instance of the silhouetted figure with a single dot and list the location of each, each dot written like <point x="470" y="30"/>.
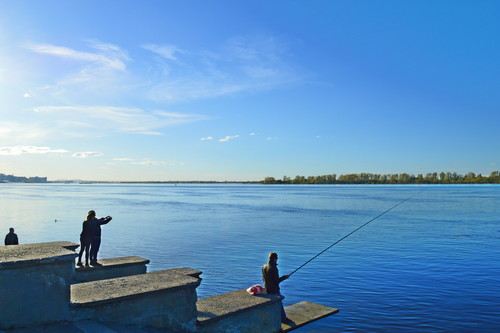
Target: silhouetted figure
<point x="11" y="238"/>
<point x="95" y="226"/>
<point x="86" y="239"/>
<point x="271" y="278"/>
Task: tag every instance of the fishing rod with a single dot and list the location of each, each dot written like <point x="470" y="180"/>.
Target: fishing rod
<point x="349" y="234"/>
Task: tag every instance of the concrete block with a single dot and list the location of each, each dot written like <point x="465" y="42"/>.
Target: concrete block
<point x="238" y="311"/>
<point x="161" y="299"/>
<point x="111" y="268"/>
<point x="35" y="284"/>
<point x="304" y="313"/>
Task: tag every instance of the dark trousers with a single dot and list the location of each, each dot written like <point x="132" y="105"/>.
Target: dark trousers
<point x="84" y="246"/>
<point x="283" y="314"/>
<point x="94" y="248"/>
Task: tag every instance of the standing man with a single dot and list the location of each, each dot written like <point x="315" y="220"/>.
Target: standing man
<point x="11" y="238"/>
<point x="95" y="226"/>
<point x="271" y="278"/>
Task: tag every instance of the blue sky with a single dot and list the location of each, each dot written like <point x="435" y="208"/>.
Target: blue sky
<point x="241" y="90"/>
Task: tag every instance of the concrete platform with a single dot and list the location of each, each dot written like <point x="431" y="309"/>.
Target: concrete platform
<point x="36" y="280"/>
<point x="89" y="294"/>
<point x="111" y="268"/>
<point x="161" y="300"/>
<point x="225" y="305"/>
<point x="238" y="311"/>
<point x="304" y="313"/>
<point x="15" y="256"/>
<point x="186" y="271"/>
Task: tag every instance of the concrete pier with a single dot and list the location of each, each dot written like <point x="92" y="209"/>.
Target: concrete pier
<point x="38" y="294"/>
<point x="35" y="281"/>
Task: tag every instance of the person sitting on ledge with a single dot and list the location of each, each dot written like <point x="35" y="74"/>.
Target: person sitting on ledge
<point x="11" y="238"/>
<point x="271" y="278"/>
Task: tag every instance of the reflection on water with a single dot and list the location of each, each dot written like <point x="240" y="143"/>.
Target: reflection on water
<point x="430" y="264"/>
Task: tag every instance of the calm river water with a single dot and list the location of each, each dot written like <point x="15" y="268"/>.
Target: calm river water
<point x="429" y="265"/>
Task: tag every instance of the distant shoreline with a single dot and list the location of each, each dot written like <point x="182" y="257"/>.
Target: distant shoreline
<point x="332" y="179"/>
<point x="230" y="182"/>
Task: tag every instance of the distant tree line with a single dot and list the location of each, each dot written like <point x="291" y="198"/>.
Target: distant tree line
<point x="15" y="179"/>
<point x="397" y="178"/>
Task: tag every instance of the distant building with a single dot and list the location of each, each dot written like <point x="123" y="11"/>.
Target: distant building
<point x="15" y="179"/>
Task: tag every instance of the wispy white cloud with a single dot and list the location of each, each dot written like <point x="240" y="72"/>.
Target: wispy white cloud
<point x="20" y="150"/>
<point x="21" y="131"/>
<point x="94" y="70"/>
<point x="166" y="51"/>
<point x="107" y="55"/>
<point x="123" y="159"/>
<point x="242" y="64"/>
<point x="124" y="119"/>
<point x="103" y="73"/>
<point x="251" y="134"/>
<point x="151" y="162"/>
<point x="206" y="138"/>
<point x="58" y="122"/>
<point x="229" y="137"/>
<point x="87" y="154"/>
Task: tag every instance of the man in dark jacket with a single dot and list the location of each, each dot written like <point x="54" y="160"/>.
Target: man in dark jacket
<point x="11" y="238"/>
<point x="271" y="278"/>
<point x="95" y="226"/>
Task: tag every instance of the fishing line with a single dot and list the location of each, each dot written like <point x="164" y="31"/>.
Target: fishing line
<point x="349" y="234"/>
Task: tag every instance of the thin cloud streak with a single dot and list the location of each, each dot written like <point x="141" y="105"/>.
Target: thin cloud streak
<point x="151" y="162"/>
<point x="87" y="154"/>
<point x="123" y="159"/>
<point x="124" y="119"/>
<point x="21" y="150"/>
<point x="229" y="137"/>
<point x="110" y="57"/>
<point x="17" y="131"/>
<point x="242" y="64"/>
<point x="166" y="51"/>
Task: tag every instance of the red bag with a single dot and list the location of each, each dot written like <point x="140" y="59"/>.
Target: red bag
<point x="256" y="289"/>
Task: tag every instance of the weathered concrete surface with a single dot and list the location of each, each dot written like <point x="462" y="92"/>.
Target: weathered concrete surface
<point x="15" y="256"/>
<point x="162" y="299"/>
<point x="238" y="311"/>
<point x="112" y="268"/>
<point x="304" y="313"/>
<point x="35" y="284"/>
<point x="186" y="271"/>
